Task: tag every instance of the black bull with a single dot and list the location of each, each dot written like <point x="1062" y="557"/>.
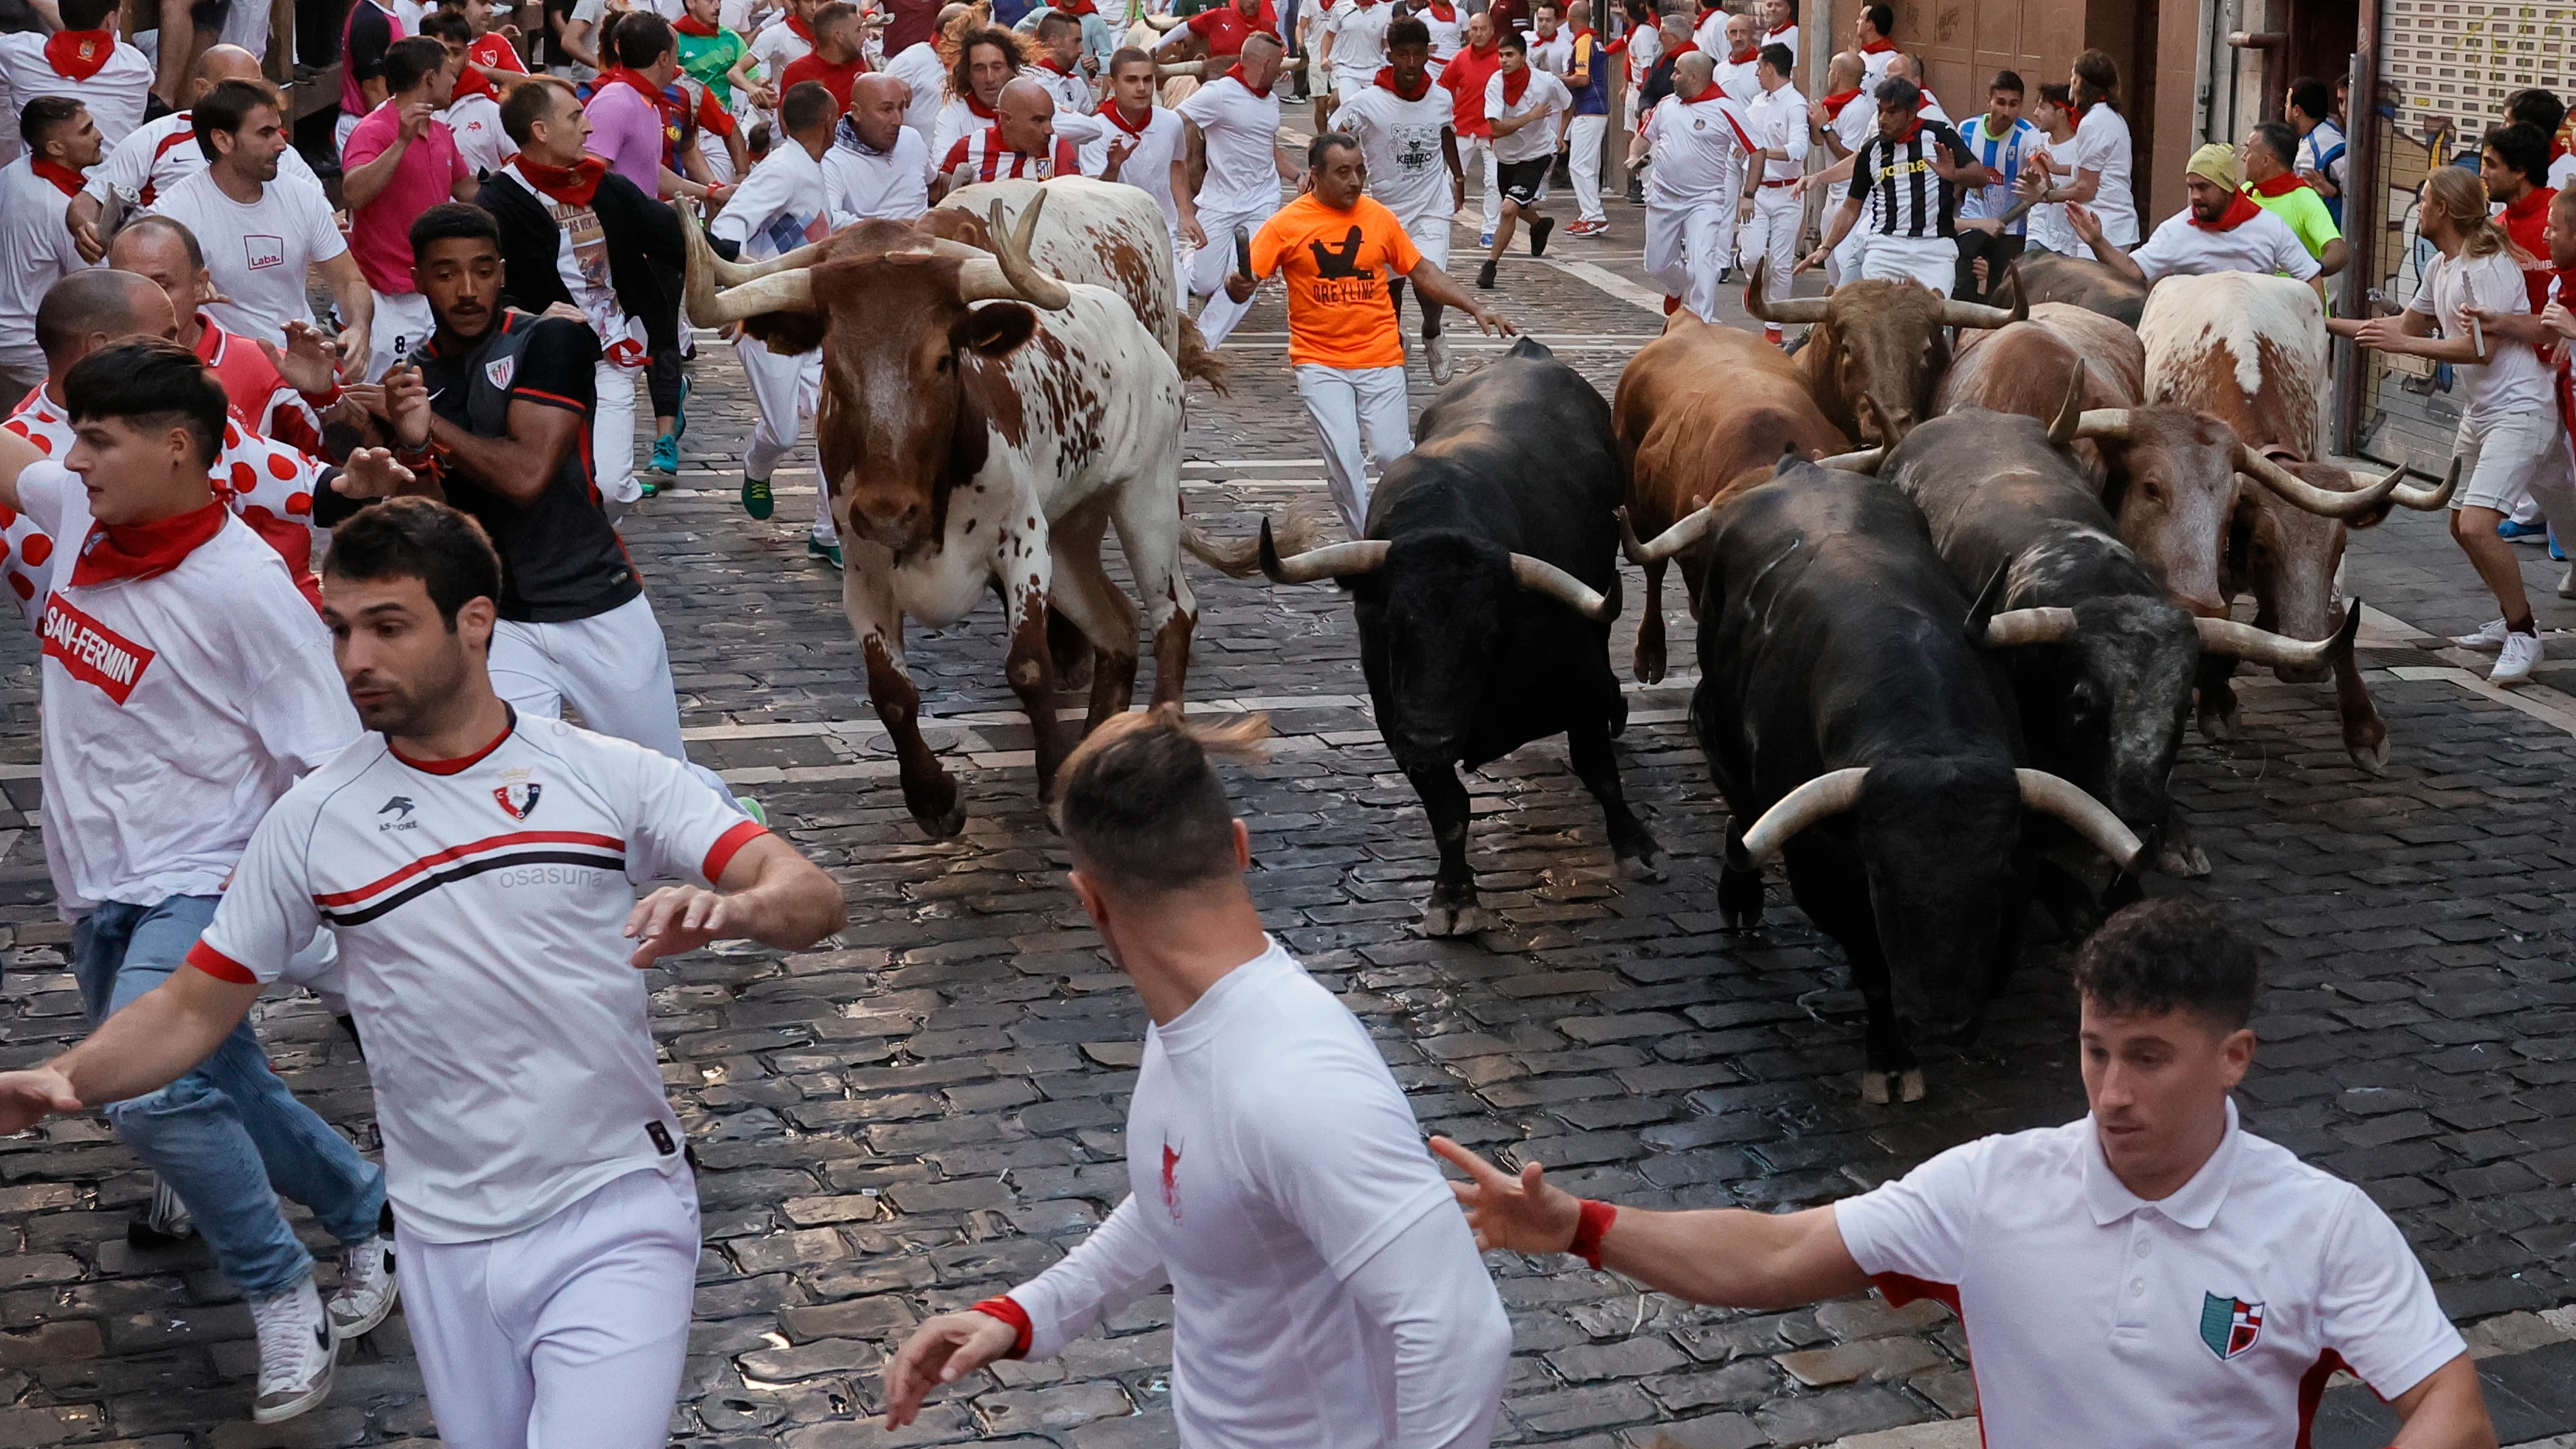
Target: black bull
<point x="1484" y="591"/>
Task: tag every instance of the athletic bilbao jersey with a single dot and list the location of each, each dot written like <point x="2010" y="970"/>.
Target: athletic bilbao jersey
<point x="478" y="905"/>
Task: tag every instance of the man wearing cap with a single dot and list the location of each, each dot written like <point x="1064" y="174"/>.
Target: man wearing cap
<point x="2221" y="230"/>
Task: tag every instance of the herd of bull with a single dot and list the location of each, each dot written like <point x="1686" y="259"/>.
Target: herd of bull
<point x="1955" y="602"/>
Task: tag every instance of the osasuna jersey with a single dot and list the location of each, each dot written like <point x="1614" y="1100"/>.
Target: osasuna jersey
<point x="479" y="905"/>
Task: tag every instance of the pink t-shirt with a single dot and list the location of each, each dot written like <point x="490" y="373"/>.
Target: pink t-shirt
<point x="380" y="231"/>
<point x="626" y="132"/>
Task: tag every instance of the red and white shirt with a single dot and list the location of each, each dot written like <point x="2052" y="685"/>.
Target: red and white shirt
<point x="991" y="160"/>
<point x="161" y="153"/>
<point x="178" y="706"/>
<point x="479" y="905"/>
<point x="259" y="396"/>
<point x="1700" y="148"/>
<point x="92" y="67"/>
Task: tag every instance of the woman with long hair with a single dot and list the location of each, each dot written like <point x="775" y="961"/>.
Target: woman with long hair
<point x="2101" y="154"/>
<point x="2509" y="440"/>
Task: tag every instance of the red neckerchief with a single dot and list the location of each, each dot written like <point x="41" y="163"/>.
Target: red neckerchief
<point x="1236" y="75"/>
<point x="65" y="179"/>
<point x="1386" y="80"/>
<point x="573" y="185"/>
<point x="800" y="29"/>
<point x="2240" y="210"/>
<point x="2537" y="199"/>
<point x="471" y="82"/>
<point x="1714" y="92"/>
<point x="1834" y="103"/>
<point x="1512" y="92"/>
<point x="1048" y="62"/>
<point x="981" y="111"/>
<point x="692" y="25"/>
<point x="1078" y="8"/>
<point x="77" y="54"/>
<point x="1117" y="115"/>
<point x="1912" y="131"/>
<point x="1446" y="11"/>
<point x="635" y="78"/>
<point x="1687" y="47"/>
<point x="2283" y="185"/>
<point x="1880" y="46"/>
<point x="1744" y="57"/>
<point x="1782" y="29"/>
<point x="142" y="550"/>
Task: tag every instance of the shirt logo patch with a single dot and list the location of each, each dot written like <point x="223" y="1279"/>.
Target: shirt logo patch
<point x="400" y="807"/>
<point x="518" y="798"/>
<point x="1171" y="1182"/>
<point x="2229" y="1325"/>
<point x="92" y="652"/>
<point x="501" y="370"/>
<point x="260" y="253"/>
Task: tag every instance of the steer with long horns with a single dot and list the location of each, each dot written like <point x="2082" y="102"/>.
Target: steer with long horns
<point x="1484" y="590"/>
<point x="1877" y="350"/>
<point x="1863" y="733"/>
<point x="982" y="423"/>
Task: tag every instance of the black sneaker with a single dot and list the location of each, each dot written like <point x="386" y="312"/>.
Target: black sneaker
<point x="1636" y="191"/>
<point x="1539" y="228"/>
<point x="1485" y="277"/>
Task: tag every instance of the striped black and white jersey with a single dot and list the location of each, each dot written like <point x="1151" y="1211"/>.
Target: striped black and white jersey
<point x="1906" y="197"/>
<point x="480" y="906"/>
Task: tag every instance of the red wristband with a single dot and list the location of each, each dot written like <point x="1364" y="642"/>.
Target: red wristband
<point x="1013" y="1314"/>
<point x="1589" y="1228"/>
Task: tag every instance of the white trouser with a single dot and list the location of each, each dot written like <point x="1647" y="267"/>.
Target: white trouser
<point x="1346" y="403"/>
<point x="1476" y="158"/>
<point x="612" y="435"/>
<point x="403" y="324"/>
<point x="1931" y="260"/>
<point x="340" y="130"/>
<point x="1182" y="252"/>
<point x="1583" y="163"/>
<point x="611" y="667"/>
<point x="570" y="1334"/>
<point x="785" y="391"/>
<point x="718" y="156"/>
<point x="1430" y="233"/>
<point x="1688" y="244"/>
<point x="1844" y="262"/>
<point x="1772" y="232"/>
<point x="1208" y="268"/>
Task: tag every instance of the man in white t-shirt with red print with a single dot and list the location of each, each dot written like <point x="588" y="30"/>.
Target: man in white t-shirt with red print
<point x="2152" y="1275"/>
<point x="186" y="683"/>
<point x="83" y="61"/>
<point x="478" y="871"/>
<point x="1323" y="1292"/>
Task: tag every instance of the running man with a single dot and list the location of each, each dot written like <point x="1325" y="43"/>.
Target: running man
<point x="1402" y="122"/>
<point x="1325" y="1294"/>
<point x="2151" y="1275"/>
<point x="1140" y="145"/>
<point x="545" y="1213"/>
<point x="1525" y="106"/>
<point x="1700" y="145"/>
<point x="779" y="207"/>
<point x="1772" y="210"/>
<point x="1232" y="141"/>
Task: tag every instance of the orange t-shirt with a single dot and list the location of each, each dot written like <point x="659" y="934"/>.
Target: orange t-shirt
<point x="1335" y="263"/>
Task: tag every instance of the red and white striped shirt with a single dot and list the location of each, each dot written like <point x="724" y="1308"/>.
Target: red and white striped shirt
<point x="993" y="161"/>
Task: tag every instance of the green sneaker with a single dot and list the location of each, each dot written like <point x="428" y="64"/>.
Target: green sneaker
<point x="756" y="500"/>
<point x="829" y="553"/>
<point x="666" y="455"/>
<point x="753" y="808"/>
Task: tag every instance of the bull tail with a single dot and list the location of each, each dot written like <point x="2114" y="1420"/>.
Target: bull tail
<point x="1292" y="532"/>
<point x="1199" y="362"/>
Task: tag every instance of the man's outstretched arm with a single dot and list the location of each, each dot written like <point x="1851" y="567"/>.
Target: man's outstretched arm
<point x="1726" y="1256"/>
<point x="143" y="1048"/>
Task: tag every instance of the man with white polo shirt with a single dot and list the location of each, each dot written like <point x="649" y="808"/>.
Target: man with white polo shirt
<point x="779" y="207"/>
<point x="879" y="167"/>
<point x="1231" y="142"/>
<point x="1700" y="143"/>
<point x="36" y="249"/>
<point x="1736" y="63"/>
<point x="477" y="869"/>
<point x="1873" y="40"/>
<point x="84" y="61"/>
<point x="1402" y="122"/>
<point x="1355" y="43"/>
<point x="1905" y="172"/>
<point x="1844" y="117"/>
<point x="1780" y="25"/>
<point x="2152" y="1276"/>
<point x="2220" y="229"/>
<point x="1140" y="146"/>
<point x="1772" y="209"/>
<point x="163" y="152"/>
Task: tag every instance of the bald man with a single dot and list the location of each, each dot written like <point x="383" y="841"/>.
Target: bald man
<point x="1845" y="118"/>
<point x="283" y="396"/>
<point x="879" y="167"/>
<point x="159" y="154"/>
<point x="1021" y="142"/>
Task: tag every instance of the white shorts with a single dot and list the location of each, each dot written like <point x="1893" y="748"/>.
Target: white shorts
<point x="612" y="668"/>
<point x="2502" y="455"/>
<point x="1931" y="260"/>
<point x="1430" y="235"/>
<point x="403" y="326"/>
<point x="570" y="1334"/>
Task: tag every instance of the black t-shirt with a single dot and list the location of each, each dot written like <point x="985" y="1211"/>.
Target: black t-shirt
<point x="371" y="34"/>
<point x="560" y="560"/>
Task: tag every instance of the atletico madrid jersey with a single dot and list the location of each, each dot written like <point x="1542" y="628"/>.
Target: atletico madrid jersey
<point x="479" y="905"/>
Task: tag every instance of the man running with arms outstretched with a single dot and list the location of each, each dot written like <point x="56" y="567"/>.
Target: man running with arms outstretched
<point x="478" y="868"/>
<point x="2151" y="1276"/>
<point x="1323" y="1293"/>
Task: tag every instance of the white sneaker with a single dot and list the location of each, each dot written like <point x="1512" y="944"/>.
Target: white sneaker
<point x="2521" y="654"/>
<point x="2487" y="640"/>
<point x="2567" y="583"/>
<point x="366" y="1291"/>
<point x="1443" y="366"/>
<point x="296" y="1354"/>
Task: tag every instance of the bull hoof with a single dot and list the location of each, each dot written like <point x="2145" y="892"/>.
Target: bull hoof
<point x="1877" y="1088"/>
<point x="1739" y="898"/>
<point x="2189" y="862"/>
<point x="2218" y="724"/>
<point x="1447" y="919"/>
<point x="1646" y="865"/>
<point x="1909" y="1086"/>
<point x="945" y="824"/>
<point x="2372" y="756"/>
<point x="1648" y="665"/>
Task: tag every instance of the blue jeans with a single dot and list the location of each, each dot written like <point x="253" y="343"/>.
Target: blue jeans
<point x="228" y="1136"/>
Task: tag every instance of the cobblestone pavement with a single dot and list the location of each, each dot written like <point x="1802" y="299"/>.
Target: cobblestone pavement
<point x="930" y="1107"/>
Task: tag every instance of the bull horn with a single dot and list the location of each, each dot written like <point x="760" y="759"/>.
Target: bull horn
<point x="1829" y="794"/>
<point x="1864" y="461"/>
<point x="1541" y="577"/>
<point x="1889" y="434"/>
<point x="1689" y="529"/>
<point x="2278" y="651"/>
<point x="1977" y="314"/>
<point x="2301" y="493"/>
<point x="2428" y="500"/>
<point x="1787" y="309"/>
<point x="1332" y="561"/>
<point x="787" y="291"/>
<point x="2050" y="795"/>
<point x="2070" y="414"/>
<point x="1008" y="274"/>
<point x="1168" y="69"/>
<point x="2015" y="627"/>
<point x="2111" y="423"/>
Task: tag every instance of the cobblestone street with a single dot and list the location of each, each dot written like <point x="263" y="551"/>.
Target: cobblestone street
<point x="930" y="1108"/>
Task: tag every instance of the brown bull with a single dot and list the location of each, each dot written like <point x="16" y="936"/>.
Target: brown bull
<point x="1704" y="412"/>
<point x="1877" y="349"/>
<point x="2046" y="277"/>
<point x="2027" y="367"/>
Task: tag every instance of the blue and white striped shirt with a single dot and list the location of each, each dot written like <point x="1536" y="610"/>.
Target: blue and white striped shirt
<point x="2002" y="155"/>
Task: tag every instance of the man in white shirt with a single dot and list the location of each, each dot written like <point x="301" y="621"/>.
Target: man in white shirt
<point x="84" y="61"/>
<point x="1701" y="144"/>
<point x="2152" y="1276"/>
<point x="1551" y="45"/>
<point x="186" y="682"/>
<point x="1059" y="65"/>
<point x="36" y="249"/>
<point x="1780" y="22"/>
<point x="545" y="1212"/>
<point x="1357" y="48"/>
<point x="1846" y="116"/>
<point x="779" y="207"/>
<point x="1526" y="107"/>
<point x="1140" y="146"/>
<point x="1324" y="1293"/>
<point x="261" y="235"/>
<point x="1232" y="143"/>
<point x="2219" y="230"/>
<point x="920" y="68"/>
<point x="1874" y="41"/>
<point x="1772" y="209"/>
<point x="785" y="40"/>
<point x="1402" y="122"/>
<point x="878" y="167"/>
<point x="163" y="152"/>
<point x="1736" y="63"/>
